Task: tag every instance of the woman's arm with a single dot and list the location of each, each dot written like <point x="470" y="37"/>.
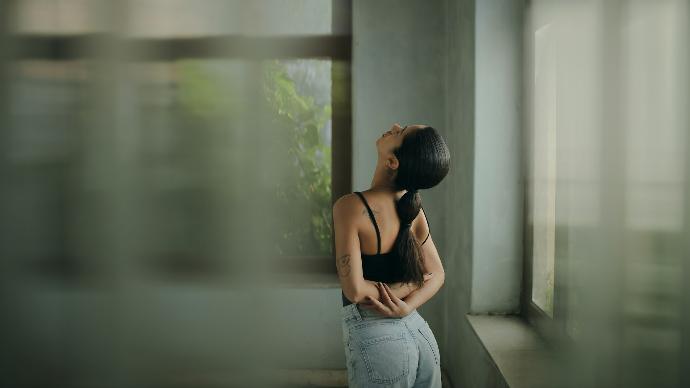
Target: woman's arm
<point x="432" y="263"/>
<point x="348" y="255"/>
<point x="349" y="261"/>
<point x="399" y="289"/>
<point x="391" y="305"/>
<point x="370" y="289"/>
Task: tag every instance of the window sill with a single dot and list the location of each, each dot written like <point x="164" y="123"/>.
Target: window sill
<point x="520" y="356"/>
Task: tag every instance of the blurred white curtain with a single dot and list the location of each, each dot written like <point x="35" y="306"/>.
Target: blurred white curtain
<point x="617" y="107"/>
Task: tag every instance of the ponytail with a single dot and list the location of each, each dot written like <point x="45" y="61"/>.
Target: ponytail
<point x="424" y="162"/>
<point x="406" y="244"/>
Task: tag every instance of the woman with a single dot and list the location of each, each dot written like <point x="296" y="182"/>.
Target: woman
<point x="387" y="343"/>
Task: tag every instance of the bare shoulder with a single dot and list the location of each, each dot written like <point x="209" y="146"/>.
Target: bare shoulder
<point x="346" y="206"/>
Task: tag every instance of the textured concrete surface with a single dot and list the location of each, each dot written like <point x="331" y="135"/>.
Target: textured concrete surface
<point x="515" y="349"/>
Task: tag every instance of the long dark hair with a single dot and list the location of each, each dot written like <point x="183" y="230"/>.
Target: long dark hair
<point x="424" y="160"/>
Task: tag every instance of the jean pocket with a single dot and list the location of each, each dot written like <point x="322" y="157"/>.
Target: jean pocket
<point x="431" y="341"/>
<point x="386" y="358"/>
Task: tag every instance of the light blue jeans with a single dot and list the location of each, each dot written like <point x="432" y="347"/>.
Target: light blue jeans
<point x="389" y="352"/>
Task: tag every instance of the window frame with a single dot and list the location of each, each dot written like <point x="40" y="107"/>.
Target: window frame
<point x="336" y="46"/>
<point x="552" y="329"/>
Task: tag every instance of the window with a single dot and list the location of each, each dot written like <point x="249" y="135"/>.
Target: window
<point x="540" y="145"/>
<point x="563" y="145"/>
<point x="543" y="171"/>
<point x="184" y="125"/>
<point x="606" y="151"/>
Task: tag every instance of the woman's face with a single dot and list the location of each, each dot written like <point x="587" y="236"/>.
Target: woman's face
<point x="393" y="138"/>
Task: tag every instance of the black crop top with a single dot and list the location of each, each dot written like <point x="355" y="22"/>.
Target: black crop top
<point x="379" y="267"/>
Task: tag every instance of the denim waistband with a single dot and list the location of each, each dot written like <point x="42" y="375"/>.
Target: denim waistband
<point x="358" y="313"/>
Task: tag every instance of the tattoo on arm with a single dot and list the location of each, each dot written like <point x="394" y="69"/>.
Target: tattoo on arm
<point x="343" y="266"/>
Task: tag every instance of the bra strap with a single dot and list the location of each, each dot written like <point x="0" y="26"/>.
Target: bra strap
<point x="427" y="223"/>
<point x="373" y="219"/>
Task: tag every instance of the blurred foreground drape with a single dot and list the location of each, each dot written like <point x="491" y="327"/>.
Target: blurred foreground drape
<point x="610" y="175"/>
<point x="158" y="161"/>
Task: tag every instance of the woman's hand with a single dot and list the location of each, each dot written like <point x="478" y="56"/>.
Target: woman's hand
<point x="392" y="306"/>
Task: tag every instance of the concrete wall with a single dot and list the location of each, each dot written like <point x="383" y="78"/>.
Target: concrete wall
<point x="483" y="200"/>
<point x="449" y="64"/>
<point x="454" y="65"/>
<point x="498" y="186"/>
<point x="459" y="349"/>
<point x="398" y="75"/>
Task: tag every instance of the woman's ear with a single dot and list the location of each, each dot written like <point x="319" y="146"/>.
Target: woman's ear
<point x="392" y="163"/>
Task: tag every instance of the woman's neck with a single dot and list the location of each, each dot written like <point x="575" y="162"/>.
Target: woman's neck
<point x="383" y="180"/>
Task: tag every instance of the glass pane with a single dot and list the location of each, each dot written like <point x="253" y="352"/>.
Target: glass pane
<point x="544" y="169"/>
<point x="198" y="120"/>
<point x="299" y="93"/>
<point x="197" y="162"/>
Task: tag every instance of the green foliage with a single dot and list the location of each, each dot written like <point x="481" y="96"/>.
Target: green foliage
<point x="201" y="92"/>
<point x="211" y="95"/>
<point x="308" y="230"/>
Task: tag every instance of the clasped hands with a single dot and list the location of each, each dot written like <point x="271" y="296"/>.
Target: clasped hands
<point x="392" y="306"/>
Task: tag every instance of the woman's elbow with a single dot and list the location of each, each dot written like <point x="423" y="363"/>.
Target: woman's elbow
<point x="352" y="295"/>
<point x="358" y="295"/>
